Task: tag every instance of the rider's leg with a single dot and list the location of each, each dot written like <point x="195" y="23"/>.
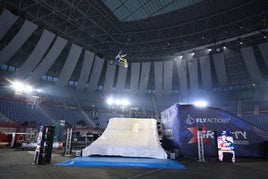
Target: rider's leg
<point x="123" y="60"/>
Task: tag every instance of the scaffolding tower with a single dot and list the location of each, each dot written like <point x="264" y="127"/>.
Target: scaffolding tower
<point x="68" y="144"/>
<point x="200" y="145"/>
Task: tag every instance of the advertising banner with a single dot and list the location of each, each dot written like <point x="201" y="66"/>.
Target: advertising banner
<point x="225" y="145"/>
<point x="181" y="122"/>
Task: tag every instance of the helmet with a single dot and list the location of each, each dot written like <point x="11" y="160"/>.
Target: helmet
<point x="41" y="128"/>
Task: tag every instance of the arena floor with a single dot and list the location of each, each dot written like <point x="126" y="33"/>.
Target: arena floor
<point x="16" y="163"/>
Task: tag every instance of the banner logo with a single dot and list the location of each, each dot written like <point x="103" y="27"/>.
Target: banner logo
<point x="240" y="137"/>
<point x="190" y="120"/>
<point x="202" y="120"/>
<point x="205" y="134"/>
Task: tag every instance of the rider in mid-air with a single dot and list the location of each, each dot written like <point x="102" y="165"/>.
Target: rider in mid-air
<point x="120" y="59"/>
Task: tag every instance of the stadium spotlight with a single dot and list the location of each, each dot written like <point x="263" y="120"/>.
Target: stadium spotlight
<point x="20" y="87"/>
<point x="178" y="58"/>
<point x="28" y="89"/>
<point x="110" y="101"/>
<point x="240" y="41"/>
<point x="201" y="104"/>
<point x="117" y="102"/>
<point x="17" y="86"/>
<point x="125" y="102"/>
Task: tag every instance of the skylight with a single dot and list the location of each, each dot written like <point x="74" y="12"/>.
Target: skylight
<point x="131" y="10"/>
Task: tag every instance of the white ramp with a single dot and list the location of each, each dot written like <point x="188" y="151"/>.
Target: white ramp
<point x="129" y="137"/>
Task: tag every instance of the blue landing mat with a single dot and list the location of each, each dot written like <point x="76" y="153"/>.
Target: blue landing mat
<point x="122" y="162"/>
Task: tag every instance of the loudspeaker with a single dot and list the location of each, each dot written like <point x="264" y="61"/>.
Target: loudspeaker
<point x="227" y="157"/>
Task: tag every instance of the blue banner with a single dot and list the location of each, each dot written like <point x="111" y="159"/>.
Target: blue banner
<point x="181" y="122"/>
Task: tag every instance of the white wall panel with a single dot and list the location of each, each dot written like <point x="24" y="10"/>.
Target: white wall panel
<point x="36" y="55"/>
<point x="48" y="60"/>
<point x="16" y="43"/>
<point x="193" y="76"/>
<point x="158" y="77"/>
<point x="85" y="71"/>
<point x="219" y="63"/>
<point x="69" y="65"/>
<point x="95" y="75"/>
<point x="7" y="19"/>
<point x="145" y="70"/>
<point x="109" y="79"/>
<point x="168" y="73"/>
<point x="121" y="79"/>
<point x="205" y="72"/>
<point x="134" y="78"/>
<point x="182" y="75"/>
<point x="251" y="64"/>
<point x="264" y="51"/>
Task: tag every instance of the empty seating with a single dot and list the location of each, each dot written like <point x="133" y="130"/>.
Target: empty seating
<point x="259" y="120"/>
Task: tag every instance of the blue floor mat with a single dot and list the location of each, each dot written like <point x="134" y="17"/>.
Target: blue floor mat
<point x="122" y="162"/>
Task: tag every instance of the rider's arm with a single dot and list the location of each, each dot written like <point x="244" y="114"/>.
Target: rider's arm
<point x="123" y="55"/>
<point x="117" y="57"/>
